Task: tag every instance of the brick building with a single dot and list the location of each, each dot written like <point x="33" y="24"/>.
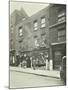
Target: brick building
<point x="43" y="36"/>
<point x="33" y="36"/>
<point x="15" y="18"/>
<point x="57" y="33"/>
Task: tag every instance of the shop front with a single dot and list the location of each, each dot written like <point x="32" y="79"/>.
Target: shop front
<point x="25" y="61"/>
<point x="40" y="58"/>
<point x="37" y="58"/>
<point x="58" y="50"/>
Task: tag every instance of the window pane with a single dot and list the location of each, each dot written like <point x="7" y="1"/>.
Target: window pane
<point x="35" y="28"/>
<point x="20" y="34"/>
<point x="61" y="33"/>
<point x="43" y="20"/>
<point x="36" y="43"/>
<point x="62" y="38"/>
<point x="35" y="25"/>
<point x="61" y="14"/>
<point x="20" y="31"/>
<point x="61" y="19"/>
<point x="43" y="25"/>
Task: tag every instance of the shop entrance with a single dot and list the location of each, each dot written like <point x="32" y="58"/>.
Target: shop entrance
<point x="40" y="59"/>
<point x="58" y="52"/>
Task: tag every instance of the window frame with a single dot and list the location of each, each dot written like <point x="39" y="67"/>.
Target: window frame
<point x="61" y="16"/>
<point x="20" y="31"/>
<point x="61" y="35"/>
<point x="43" y="22"/>
<point x="36" y="43"/>
<point x="35" y="25"/>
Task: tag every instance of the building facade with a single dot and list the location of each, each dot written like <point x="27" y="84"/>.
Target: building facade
<point x="57" y="33"/>
<point x="32" y="37"/>
<point x="15" y="18"/>
<point x="42" y="38"/>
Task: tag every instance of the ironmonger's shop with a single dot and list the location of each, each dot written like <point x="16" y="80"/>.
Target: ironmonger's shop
<point x="37" y="58"/>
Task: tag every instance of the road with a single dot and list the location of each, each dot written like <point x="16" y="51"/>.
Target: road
<point x="21" y="80"/>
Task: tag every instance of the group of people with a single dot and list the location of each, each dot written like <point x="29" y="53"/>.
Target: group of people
<point x="25" y="61"/>
<point x="28" y="62"/>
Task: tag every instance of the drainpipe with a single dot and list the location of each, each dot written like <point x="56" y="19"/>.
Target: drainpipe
<point x="51" y="59"/>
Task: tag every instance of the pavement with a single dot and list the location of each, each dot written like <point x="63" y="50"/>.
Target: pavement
<point x="48" y="73"/>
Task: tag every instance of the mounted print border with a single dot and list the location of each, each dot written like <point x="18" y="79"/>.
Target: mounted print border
<point x="37" y="44"/>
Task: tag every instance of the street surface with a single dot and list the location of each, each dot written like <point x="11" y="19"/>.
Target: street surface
<point x="21" y="80"/>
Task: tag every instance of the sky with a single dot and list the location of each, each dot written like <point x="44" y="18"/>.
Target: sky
<point x="30" y="8"/>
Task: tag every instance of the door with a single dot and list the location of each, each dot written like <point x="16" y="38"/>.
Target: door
<point x="57" y="60"/>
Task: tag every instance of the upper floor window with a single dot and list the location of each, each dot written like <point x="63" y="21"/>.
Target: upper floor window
<point x="20" y="31"/>
<point x="61" y="35"/>
<point x="43" y="39"/>
<point x="43" y="22"/>
<point x="61" y="16"/>
<point x="43" y="36"/>
<point x="36" y="43"/>
<point x="35" y="25"/>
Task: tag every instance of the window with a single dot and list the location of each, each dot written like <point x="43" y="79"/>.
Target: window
<point x="43" y="36"/>
<point x="43" y="22"/>
<point x="61" y="19"/>
<point x="36" y="43"/>
<point x="61" y="16"/>
<point x="35" y="25"/>
<point x="61" y="35"/>
<point x="20" y="31"/>
<point x="43" y="40"/>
